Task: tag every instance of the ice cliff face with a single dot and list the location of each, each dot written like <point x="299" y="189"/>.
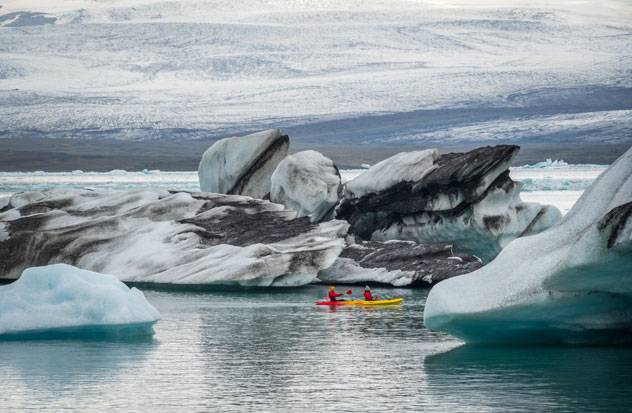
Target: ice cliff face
<point x="166" y="237"/>
<point x="243" y="165"/>
<point x="569" y="284"/>
<point x="63" y="301"/>
<point x="465" y="199"/>
<point x="308" y="183"/>
<point x="399" y="263"/>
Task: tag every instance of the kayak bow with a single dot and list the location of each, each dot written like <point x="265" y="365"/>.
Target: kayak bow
<point x="358" y="302"/>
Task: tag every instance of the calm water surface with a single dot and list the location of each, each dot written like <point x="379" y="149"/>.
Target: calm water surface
<point x="247" y="350"/>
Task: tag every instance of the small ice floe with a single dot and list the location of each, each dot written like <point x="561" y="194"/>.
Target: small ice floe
<point x="62" y="301"/>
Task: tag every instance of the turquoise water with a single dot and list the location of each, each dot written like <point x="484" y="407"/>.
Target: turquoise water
<point x="264" y="350"/>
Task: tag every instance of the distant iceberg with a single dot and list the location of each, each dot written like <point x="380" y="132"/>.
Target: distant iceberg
<point x="558" y="163"/>
<point x="552" y="184"/>
<point x="548" y="164"/>
<point x="64" y="301"/>
<point x="571" y="284"/>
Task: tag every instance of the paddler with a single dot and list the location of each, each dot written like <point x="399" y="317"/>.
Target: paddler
<point x="333" y="294"/>
<point x="367" y="294"/>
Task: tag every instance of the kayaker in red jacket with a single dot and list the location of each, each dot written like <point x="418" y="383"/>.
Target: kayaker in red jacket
<point x="367" y="294"/>
<point x="333" y="294"/>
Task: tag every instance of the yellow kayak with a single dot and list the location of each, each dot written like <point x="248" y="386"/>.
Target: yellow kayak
<point x="359" y="302"/>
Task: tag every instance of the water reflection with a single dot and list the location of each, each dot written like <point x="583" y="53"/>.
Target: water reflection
<point x="60" y="374"/>
<point x="43" y="361"/>
<point x="533" y="378"/>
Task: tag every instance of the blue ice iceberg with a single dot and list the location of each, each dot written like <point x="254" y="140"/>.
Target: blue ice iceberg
<point x="64" y="301"/>
<point x="571" y="284"/>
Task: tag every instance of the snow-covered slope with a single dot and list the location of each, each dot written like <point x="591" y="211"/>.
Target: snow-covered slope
<point x="412" y="70"/>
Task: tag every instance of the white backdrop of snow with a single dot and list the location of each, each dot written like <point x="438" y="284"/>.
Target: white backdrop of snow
<point x="221" y="65"/>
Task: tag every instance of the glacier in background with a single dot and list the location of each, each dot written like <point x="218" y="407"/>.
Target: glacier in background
<point x="385" y="72"/>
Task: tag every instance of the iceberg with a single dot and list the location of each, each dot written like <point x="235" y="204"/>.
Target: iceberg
<point x="466" y="199"/>
<point x="308" y="183"/>
<point x="243" y="165"/>
<point x="548" y="164"/>
<point x="571" y="284"/>
<point x="166" y="237"/>
<point x="64" y="301"/>
<point x="398" y="263"/>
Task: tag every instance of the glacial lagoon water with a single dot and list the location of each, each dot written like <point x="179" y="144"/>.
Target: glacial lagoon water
<point x="272" y="349"/>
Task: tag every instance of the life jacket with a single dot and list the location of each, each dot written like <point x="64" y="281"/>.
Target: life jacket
<point x="332" y="296"/>
<point x="368" y="296"/>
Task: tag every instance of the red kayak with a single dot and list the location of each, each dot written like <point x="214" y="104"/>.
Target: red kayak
<point x="362" y="302"/>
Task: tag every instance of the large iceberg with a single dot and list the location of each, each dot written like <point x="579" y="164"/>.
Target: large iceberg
<point x="398" y="263"/>
<point x="243" y="165"/>
<point x="64" y="301"/>
<point x="464" y="199"/>
<point x="166" y="237"/>
<point x="569" y="284"/>
<point x="309" y="183"/>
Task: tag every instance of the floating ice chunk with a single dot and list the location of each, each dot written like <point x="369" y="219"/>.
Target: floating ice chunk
<point x="307" y="182"/>
<point x="365" y="166"/>
<point x="62" y="300"/>
<point x="569" y="284"/>
<point x="243" y="165"/>
<point x="464" y="199"/>
<point x="168" y="237"/>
